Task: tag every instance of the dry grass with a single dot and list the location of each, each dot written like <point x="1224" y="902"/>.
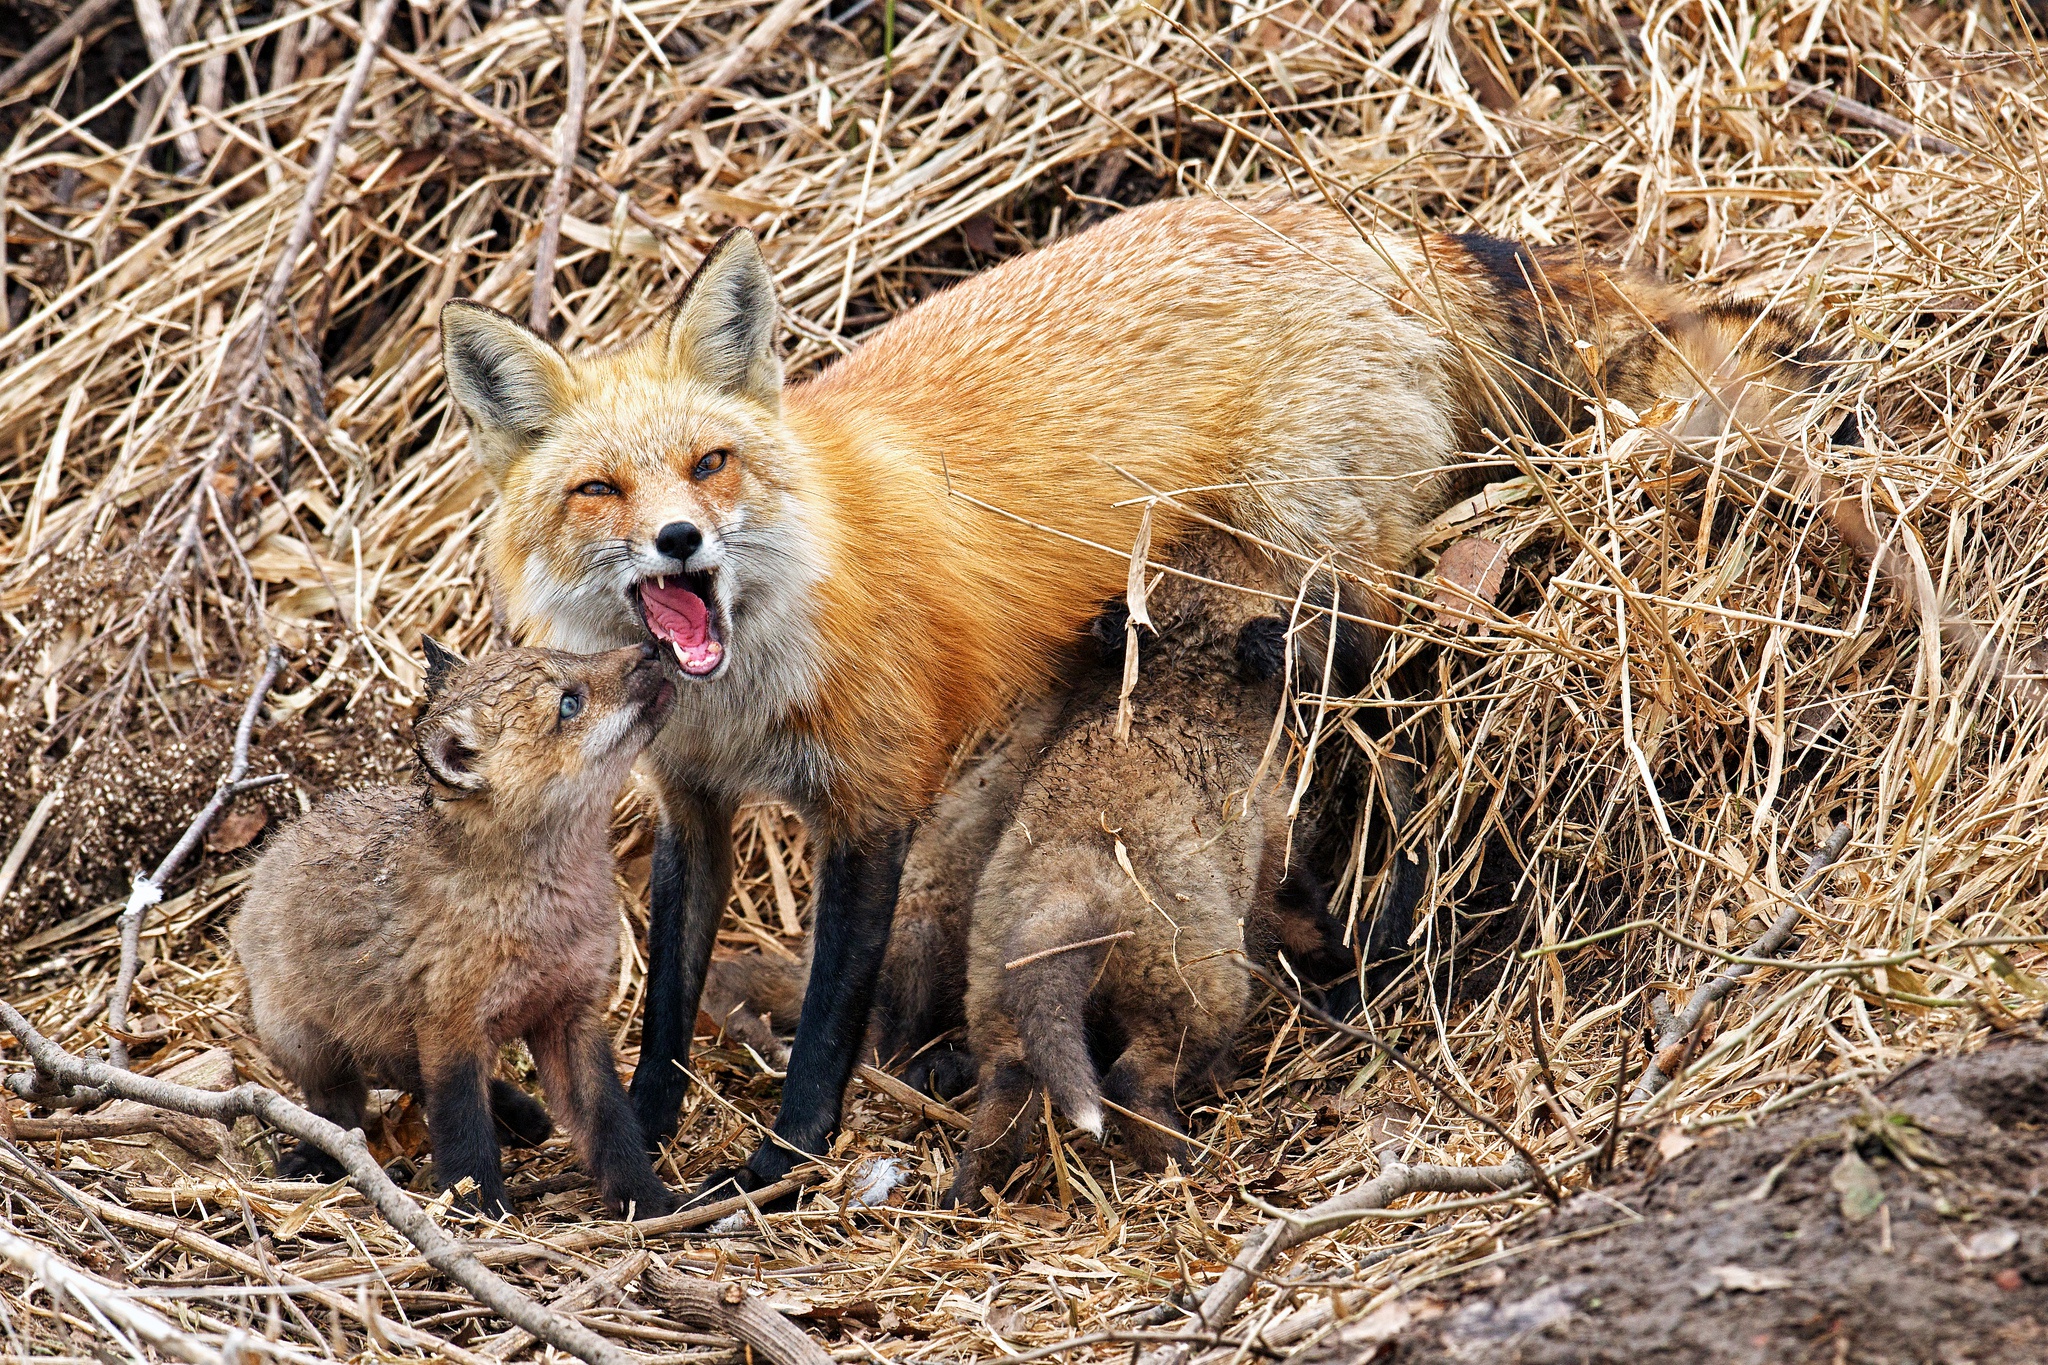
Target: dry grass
<point x="1686" y="682"/>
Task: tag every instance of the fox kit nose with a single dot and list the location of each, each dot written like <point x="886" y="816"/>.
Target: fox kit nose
<point x="678" y="540"/>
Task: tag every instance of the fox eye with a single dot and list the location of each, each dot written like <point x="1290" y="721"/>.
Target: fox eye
<point x="597" y="488"/>
<point x="572" y="706"/>
<point x="710" y="462"/>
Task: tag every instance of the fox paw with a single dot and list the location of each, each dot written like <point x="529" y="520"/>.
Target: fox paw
<point x="520" y="1117"/>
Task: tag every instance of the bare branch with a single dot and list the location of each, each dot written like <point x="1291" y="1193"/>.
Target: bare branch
<point x="149" y="890"/>
<point x="55" y="41"/>
<point x="568" y="142"/>
<point x="724" y="1306"/>
<point x="1682" y="1024"/>
<point x="55" y="1065"/>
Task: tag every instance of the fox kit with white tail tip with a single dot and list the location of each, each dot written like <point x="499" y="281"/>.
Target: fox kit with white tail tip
<point x="407" y="935"/>
<point x="856" y="571"/>
<point x="1116" y="915"/>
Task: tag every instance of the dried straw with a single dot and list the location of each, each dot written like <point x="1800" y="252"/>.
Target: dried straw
<point x="1685" y="681"/>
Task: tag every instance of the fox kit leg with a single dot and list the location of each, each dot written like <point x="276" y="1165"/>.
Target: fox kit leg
<point x="520" y="1117"/>
<point x="856" y="899"/>
<point x="582" y="1078"/>
<point x="1006" y="1115"/>
<point x="456" y="1088"/>
<point x="332" y="1082"/>
<point x="692" y="877"/>
<point x="1143" y="1081"/>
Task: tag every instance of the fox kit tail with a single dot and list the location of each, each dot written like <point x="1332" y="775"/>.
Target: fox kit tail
<point x="1048" y="999"/>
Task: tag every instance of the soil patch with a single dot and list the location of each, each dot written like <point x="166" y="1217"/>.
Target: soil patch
<point x="1911" y="1226"/>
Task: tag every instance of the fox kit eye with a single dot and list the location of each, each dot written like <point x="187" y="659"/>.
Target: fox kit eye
<point x="572" y="706"/>
<point x="710" y="462"/>
<point x="596" y="488"/>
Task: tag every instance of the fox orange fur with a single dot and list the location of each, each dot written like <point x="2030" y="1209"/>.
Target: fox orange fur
<point x="857" y="570"/>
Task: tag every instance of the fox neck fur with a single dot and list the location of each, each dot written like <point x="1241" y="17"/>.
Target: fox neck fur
<point x="890" y="553"/>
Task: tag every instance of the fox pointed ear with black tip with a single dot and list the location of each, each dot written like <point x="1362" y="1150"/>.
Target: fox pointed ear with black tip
<point x="510" y="382"/>
<point x="441" y="662"/>
<point x="721" y="332"/>
<point x="446" y="746"/>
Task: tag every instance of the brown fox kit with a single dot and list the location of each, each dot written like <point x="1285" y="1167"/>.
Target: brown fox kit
<point x="921" y="993"/>
<point x="1116" y="915"/>
<point x="857" y="571"/>
<point x="408" y="934"/>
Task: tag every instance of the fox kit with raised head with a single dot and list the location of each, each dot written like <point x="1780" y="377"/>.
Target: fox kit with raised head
<point x="1116" y="915"/>
<point x="408" y="934"/>
<point x="857" y="571"/>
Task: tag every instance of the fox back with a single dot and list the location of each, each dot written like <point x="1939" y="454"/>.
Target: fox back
<point x="858" y="570"/>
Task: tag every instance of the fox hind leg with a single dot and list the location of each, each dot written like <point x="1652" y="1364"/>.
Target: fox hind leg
<point x="334" y="1087"/>
<point x="1005" y="1120"/>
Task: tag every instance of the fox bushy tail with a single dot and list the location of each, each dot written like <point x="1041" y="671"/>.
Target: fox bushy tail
<point x="1048" y="999"/>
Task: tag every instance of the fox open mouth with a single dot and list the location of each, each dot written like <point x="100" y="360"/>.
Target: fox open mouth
<point x="681" y="611"/>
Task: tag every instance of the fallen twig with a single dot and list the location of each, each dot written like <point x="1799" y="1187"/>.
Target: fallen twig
<point x="724" y="1306"/>
<point x="54" y="1064"/>
<point x="47" y="47"/>
<point x="1862" y="113"/>
<point x="1716" y="987"/>
<point x="149" y="890"/>
<point x="127" y="1323"/>
<point x="568" y="142"/>
<point x="1396" y="1181"/>
<point x="193" y="1137"/>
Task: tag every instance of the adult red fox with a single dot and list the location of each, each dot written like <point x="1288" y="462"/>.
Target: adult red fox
<point x="855" y="571"/>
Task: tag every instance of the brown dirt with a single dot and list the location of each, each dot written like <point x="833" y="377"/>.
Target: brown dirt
<point x="1952" y="1268"/>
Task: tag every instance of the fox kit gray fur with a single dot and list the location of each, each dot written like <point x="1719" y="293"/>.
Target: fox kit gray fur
<point x="408" y="934"/>
<point x="1207" y="871"/>
<point x="921" y="995"/>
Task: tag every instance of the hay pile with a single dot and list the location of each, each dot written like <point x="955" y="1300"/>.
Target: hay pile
<point x="1685" y="681"/>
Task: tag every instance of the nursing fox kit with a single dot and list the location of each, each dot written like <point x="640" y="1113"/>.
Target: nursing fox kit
<point x="855" y="571"/>
<point x="406" y="934"/>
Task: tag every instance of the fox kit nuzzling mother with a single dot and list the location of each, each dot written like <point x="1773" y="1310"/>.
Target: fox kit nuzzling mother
<point x="408" y="934"/>
<point x="1115" y="917"/>
<point x="855" y="572"/>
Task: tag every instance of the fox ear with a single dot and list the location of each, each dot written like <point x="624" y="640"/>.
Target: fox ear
<point x="441" y="661"/>
<point x="447" y="750"/>
<point x="510" y="382"/>
<point x="722" y="330"/>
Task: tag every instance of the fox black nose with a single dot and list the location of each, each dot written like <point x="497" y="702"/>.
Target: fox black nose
<point x="678" y="540"/>
<point x="649" y="652"/>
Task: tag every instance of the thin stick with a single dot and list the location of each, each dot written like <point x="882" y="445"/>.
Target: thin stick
<point x="249" y="1100"/>
<point x="1045" y="953"/>
<point x="568" y="142"/>
<point x="1720" y="985"/>
<point x="54" y="42"/>
<point x="149" y="890"/>
<point x="1285" y="1233"/>
<point x="26" y="840"/>
<point x="157" y="36"/>
<point x="1862" y="113"/>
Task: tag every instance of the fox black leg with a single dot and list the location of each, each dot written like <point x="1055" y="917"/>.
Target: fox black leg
<point x="856" y="902"/>
<point x="459" y="1127"/>
<point x="576" y="1065"/>
<point x="692" y="876"/>
<point x="1386" y="941"/>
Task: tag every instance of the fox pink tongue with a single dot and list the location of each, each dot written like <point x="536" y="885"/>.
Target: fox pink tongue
<point x="682" y="619"/>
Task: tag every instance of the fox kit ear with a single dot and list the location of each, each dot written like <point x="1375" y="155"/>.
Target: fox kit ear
<point x="722" y="330"/>
<point x="510" y="382"/>
<point x="446" y="747"/>
<point x="441" y="661"/>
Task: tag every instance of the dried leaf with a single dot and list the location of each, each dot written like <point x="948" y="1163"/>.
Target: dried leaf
<point x="1989" y="1245"/>
<point x="238" y="828"/>
<point x="1675" y="1143"/>
<point x="1468" y="575"/>
<point x="1862" y="1192"/>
